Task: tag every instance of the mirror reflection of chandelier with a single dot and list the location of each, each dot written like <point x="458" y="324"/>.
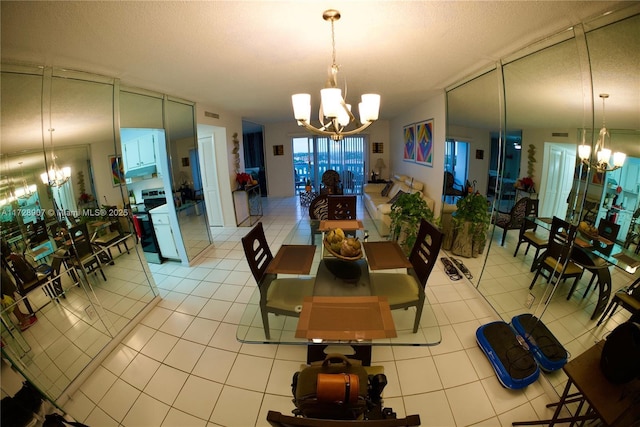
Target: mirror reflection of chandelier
<point x="25" y="190"/>
<point x="603" y="154"/>
<point x="335" y="114"/>
<point x="56" y="176"/>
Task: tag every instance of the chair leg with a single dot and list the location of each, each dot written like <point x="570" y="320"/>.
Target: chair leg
<point x="265" y="322"/>
<point x="504" y="237"/>
<point x="586" y="291"/>
<point x="573" y="287"/>
<point x="518" y="247"/>
<point x="416" y="323"/>
<point x="533" y="282"/>
<point x="610" y="310"/>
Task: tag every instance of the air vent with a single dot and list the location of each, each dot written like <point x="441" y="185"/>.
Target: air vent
<point x="560" y="134"/>
<point x="212" y="115"/>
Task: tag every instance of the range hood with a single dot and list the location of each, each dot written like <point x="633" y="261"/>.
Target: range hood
<point x="142" y="171"/>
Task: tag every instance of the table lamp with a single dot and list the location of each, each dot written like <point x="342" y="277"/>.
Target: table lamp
<point x="379" y="166"/>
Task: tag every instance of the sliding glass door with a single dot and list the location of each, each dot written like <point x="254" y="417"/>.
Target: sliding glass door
<point x="313" y="156"/>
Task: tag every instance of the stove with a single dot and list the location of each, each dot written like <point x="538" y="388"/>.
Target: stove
<point x="152" y="198"/>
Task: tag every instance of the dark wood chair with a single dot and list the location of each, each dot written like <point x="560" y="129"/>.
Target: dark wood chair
<point x="83" y="256"/>
<point x="628" y="297"/>
<point x="113" y="235"/>
<point x="513" y="219"/>
<point x="278" y="296"/>
<point x="602" y="275"/>
<point x="276" y="419"/>
<point x="407" y="290"/>
<point x="529" y="236"/>
<point x="331" y="183"/>
<point x="556" y="260"/>
<point x="341" y="207"/>
<point x="451" y="189"/>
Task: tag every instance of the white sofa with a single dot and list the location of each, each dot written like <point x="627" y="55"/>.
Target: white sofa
<point x="378" y="205"/>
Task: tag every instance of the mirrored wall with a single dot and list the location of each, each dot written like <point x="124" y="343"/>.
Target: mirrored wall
<point x="548" y="94"/>
<point x="67" y="123"/>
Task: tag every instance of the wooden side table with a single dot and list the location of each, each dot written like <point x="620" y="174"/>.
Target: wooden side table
<point x="611" y="403"/>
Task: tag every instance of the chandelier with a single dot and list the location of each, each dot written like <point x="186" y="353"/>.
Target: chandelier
<point x="603" y="154"/>
<point x="335" y="114"/>
<point x="55" y="177"/>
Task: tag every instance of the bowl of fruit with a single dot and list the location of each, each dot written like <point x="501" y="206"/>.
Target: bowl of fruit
<point x="341" y="246"/>
<point x="587" y="231"/>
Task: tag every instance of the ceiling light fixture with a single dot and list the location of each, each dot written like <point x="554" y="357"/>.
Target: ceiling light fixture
<point x="335" y="114"/>
<point x="56" y="177"/>
<point x="603" y="154"/>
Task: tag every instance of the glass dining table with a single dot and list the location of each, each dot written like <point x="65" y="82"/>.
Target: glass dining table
<point x="342" y="310"/>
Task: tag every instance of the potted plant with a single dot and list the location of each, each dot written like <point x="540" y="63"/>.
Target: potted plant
<point x="407" y="211"/>
<point x="470" y="225"/>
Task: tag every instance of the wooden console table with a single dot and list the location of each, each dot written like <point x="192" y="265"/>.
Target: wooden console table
<point x="611" y="403"/>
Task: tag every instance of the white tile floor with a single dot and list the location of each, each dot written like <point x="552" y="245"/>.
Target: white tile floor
<point x="182" y="365"/>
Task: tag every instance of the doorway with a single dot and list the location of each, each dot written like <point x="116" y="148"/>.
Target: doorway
<point x="456" y="162"/>
<point x="557" y="179"/>
<point x="313" y="156"/>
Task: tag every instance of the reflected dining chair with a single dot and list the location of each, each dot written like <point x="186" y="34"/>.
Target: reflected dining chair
<point x="407" y="290"/>
<point x="628" y="297"/>
<point x="278" y="296"/>
<point x="83" y="256"/>
<point x="529" y="236"/>
<point x="113" y="234"/>
<point x="556" y="260"/>
<point x="513" y="219"/>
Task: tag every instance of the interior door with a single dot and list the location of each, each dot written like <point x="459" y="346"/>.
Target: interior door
<point x="210" y="187"/>
<point x="557" y="179"/>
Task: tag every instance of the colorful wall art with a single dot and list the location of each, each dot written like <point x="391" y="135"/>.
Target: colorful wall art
<point x="424" y="143"/>
<point x="410" y="143"/>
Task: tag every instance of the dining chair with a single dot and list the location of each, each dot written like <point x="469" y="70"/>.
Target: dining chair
<point x="28" y="277"/>
<point x="112" y="235"/>
<point x="277" y="419"/>
<point x="341" y="207"/>
<point x="407" y="290"/>
<point x="608" y="229"/>
<point x="529" y="236"/>
<point x="633" y="235"/>
<point x="278" y="296"/>
<point x="83" y="256"/>
<point x="589" y="261"/>
<point x="513" y="219"/>
<point x="628" y="297"/>
<point x="556" y="259"/>
<point x="451" y="189"/>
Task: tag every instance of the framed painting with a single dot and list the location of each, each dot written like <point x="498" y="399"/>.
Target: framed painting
<point x="409" y="143"/>
<point x="424" y="143"/>
<point x="117" y="170"/>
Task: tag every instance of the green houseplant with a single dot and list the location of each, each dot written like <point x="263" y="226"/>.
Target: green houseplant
<point x="470" y="225"/>
<point x="406" y="214"/>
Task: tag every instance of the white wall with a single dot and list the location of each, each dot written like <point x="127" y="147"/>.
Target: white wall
<point x="432" y="177"/>
<point x="280" y="168"/>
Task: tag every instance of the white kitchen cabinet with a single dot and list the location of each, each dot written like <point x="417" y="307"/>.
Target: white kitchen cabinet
<point x="164" y="233"/>
<point x="139" y="152"/>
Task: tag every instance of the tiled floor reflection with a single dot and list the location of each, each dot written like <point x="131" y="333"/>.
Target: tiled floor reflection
<point x="182" y="365"/>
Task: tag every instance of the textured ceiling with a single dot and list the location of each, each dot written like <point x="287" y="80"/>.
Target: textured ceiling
<point x="248" y="57"/>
